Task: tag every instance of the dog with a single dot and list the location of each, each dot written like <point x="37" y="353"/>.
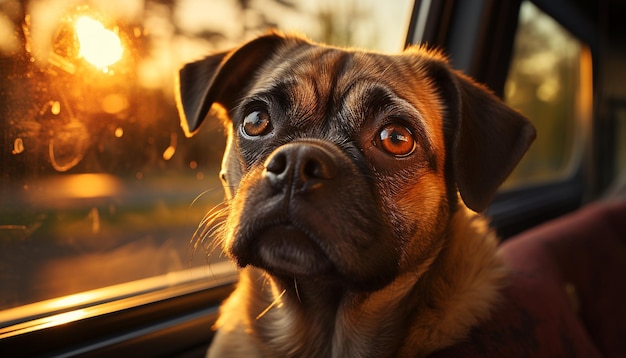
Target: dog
<point x="354" y="182"/>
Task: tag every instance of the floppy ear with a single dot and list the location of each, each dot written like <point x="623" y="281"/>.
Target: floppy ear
<point x="491" y="140"/>
<point x="220" y="78"/>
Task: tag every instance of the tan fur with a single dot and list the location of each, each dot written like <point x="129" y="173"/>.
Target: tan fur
<point x="453" y="293"/>
<point x="463" y="285"/>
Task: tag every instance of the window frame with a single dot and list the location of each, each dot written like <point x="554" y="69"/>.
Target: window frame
<point x="163" y="322"/>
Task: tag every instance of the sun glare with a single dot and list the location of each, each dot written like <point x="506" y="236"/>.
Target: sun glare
<point x="99" y="46"/>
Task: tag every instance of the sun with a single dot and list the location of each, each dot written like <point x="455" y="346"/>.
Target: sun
<point x="98" y="45"/>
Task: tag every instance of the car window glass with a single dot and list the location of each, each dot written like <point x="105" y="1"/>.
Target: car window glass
<point x="549" y="81"/>
<point x="98" y="184"/>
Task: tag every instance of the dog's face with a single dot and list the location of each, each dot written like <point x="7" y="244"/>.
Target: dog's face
<point x="346" y="165"/>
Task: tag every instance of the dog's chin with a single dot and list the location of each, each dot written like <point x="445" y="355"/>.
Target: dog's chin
<point x="287" y="253"/>
<point x="284" y="250"/>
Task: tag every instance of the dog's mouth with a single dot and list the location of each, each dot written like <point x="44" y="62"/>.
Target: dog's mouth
<point x="286" y="250"/>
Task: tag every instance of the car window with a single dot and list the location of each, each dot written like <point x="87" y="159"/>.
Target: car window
<point x="98" y="185"/>
<point x="550" y="82"/>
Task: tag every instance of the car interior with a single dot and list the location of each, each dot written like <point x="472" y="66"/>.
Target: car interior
<point x="103" y="199"/>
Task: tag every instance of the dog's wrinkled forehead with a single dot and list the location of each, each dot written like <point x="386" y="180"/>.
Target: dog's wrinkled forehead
<point x="318" y="84"/>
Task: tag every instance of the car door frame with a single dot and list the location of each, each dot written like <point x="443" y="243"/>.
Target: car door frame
<point x="478" y="37"/>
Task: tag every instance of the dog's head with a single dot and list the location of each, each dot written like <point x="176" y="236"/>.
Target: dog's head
<point x="348" y="164"/>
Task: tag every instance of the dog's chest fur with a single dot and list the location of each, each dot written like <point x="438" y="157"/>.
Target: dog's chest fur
<point x="417" y="314"/>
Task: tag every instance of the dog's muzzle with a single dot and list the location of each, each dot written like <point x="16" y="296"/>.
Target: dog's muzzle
<point x="293" y="173"/>
<point x="310" y="212"/>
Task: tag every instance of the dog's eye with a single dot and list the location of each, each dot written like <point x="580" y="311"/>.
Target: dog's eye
<point x="396" y="140"/>
<point x="257" y="123"/>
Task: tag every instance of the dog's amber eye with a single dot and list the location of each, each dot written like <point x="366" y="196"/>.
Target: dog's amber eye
<point x="396" y="140"/>
<point x="257" y="123"/>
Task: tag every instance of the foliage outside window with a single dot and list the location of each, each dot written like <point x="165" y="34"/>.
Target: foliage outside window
<point x="549" y="81"/>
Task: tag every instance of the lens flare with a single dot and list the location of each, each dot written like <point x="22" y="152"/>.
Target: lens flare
<point x="99" y="46"/>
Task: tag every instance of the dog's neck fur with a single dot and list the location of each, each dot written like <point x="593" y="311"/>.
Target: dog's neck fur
<point x="309" y="319"/>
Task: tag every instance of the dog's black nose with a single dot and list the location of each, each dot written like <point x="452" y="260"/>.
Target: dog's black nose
<point x="303" y="166"/>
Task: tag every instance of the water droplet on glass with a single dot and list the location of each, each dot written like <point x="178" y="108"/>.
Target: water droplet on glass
<point x="68" y="146"/>
<point x="169" y="153"/>
<point x="119" y="132"/>
<point x="55" y="107"/>
<point x="18" y="146"/>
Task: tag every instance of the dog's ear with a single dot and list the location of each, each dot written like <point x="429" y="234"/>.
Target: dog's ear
<point x="220" y="78"/>
<point x="491" y="140"/>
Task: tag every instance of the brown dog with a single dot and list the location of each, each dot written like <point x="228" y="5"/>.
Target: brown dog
<point x="349" y="176"/>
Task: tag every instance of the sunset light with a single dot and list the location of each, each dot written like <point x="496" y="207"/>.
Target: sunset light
<point x="99" y="46"/>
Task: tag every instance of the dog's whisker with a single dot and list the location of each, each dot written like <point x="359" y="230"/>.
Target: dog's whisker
<point x="208" y="249"/>
<point x="215" y="232"/>
<point x="207" y="232"/>
<point x="214" y="213"/>
<point x="200" y="232"/>
<point x="193" y="202"/>
<point x="215" y="245"/>
<point x="271" y="305"/>
<point x="211" y="226"/>
<point x="295" y="286"/>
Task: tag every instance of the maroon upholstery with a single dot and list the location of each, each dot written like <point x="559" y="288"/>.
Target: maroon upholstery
<point x="585" y="251"/>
